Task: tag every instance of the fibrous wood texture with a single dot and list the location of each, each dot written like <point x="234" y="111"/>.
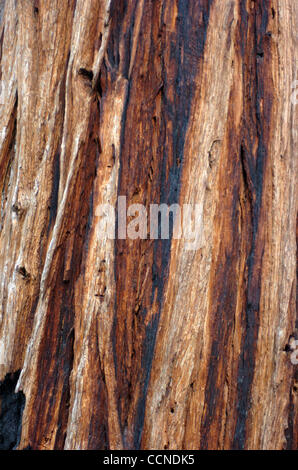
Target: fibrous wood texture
<point x="141" y="344"/>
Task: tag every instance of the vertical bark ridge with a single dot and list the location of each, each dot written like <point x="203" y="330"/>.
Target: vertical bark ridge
<point x="174" y="53"/>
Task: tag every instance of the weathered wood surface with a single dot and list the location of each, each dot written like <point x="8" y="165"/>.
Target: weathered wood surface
<point x="140" y="343"/>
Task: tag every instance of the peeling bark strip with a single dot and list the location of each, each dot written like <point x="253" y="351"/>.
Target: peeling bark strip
<point x="141" y="344"/>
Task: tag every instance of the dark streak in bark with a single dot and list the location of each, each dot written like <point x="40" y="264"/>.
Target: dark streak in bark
<point x="55" y="190"/>
<point x="56" y="353"/>
<point x="56" y="161"/>
<point x="260" y="76"/>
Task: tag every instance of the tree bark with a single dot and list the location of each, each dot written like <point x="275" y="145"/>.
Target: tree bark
<point x="143" y="344"/>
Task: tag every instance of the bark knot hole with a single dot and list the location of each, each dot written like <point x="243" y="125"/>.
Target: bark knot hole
<point x="87" y="74"/>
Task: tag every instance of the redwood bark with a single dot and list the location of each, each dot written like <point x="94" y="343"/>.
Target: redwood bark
<point x="142" y="344"/>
